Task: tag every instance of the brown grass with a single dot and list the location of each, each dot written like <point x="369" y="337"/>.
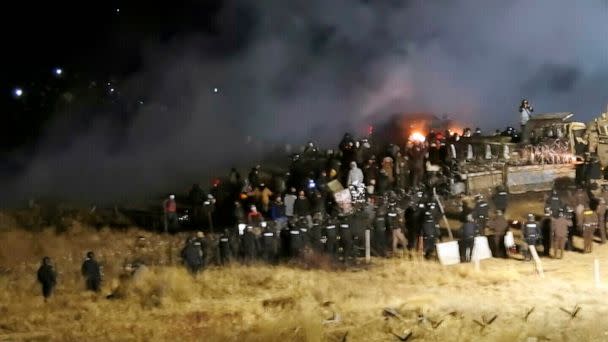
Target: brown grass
<point x="281" y="303"/>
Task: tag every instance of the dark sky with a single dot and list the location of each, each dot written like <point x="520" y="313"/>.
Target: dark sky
<point x="285" y="72"/>
<point x="90" y="41"/>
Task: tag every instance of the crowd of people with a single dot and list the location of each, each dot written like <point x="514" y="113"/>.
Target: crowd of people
<point x="395" y="202"/>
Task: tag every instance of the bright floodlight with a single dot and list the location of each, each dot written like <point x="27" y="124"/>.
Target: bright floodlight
<point x="215" y="90"/>
<point x="18" y="92"/>
<point x="417" y="137"/>
<point x="58" y="71"/>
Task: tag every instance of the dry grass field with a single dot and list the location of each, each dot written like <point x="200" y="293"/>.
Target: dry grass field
<point x="504" y="301"/>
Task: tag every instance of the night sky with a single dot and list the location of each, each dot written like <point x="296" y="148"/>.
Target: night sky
<point x="156" y="97"/>
<point x="92" y="43"/>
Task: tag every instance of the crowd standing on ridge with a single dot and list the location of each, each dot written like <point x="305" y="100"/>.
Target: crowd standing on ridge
<point x="395" y="195"/>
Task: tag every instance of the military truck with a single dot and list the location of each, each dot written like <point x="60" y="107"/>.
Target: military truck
<point x="550" y="147"/>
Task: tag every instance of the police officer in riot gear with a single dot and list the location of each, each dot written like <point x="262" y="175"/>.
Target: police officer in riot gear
<point x="250" y="245"/>
<point x="531" y="235"/>
<point x="192" y="256"/>
<point x="480" y="213"/>
<point x="379" y="232"/>
<point x="225" y="249"/>
<point x="469" y="230"/>
<point x="315" y="234"/>
<point x="430" y="231"/>
<point x="554" y="203"/>
<point x="346" y="238"/>
<point x="296" y="243"/>
<point x="590" y="225"/>
<point x="270" y="246"/>
<point x="394" y="225"/>
<point x="501" y="199"/>
<point x="331" y="237"/>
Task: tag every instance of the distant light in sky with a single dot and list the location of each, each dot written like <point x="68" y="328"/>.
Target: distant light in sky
<point x="215" y="90"/>
<point x="118" y="10"/>
<point x="140" y="102"/>
<point x="58" y="71"/>
<point x="111" y="90"/>
<point x="18" y="92"/>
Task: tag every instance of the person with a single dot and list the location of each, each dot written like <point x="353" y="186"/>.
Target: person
<point x="501" y="199"/>
<point x="290" y="200"/>
<point x="250" y="245"/>
<point x="590" y="224"/>
<point x="394" y="225"/>
<point x="525" y="110"/>
<point x="346" y="238"/>
<point x="554" y="203"/>
<point x="200" y="242"/>
<point x="254" y="217"/>
<point x="225" y="249"/>
<point x="239" y="213"/>
<point x="197" y="198"/>
<point x="92" y="272"/>
<point x="559" y="233"/>
<point x="469" y="230"/>
<point x="330" y="237"/>
<point x="192" y="256"/>
<point x="170" y="210"/>
<point x="499" y="225"/>
<point x="430" y="230"/>
<point x="277" y="213"/>
<point x="269" y="246"/>
<point x="355" y="175"/>
<point x="301" y="208"/>
<point x="379" y="232"/>
<point x="600" y="210"/>
<point x="531" y="234"/>
<point x="480" y="213"/>
<point x="47" y="277"/>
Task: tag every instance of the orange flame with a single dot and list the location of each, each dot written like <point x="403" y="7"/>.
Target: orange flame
<point x="417" y="137"/>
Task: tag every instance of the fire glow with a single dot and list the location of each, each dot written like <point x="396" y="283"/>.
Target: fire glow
<point x="417" y="137"/>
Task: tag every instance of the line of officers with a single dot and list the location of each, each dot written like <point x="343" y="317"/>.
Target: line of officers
<point x="398" y="220"/>
<point x="393" y="220"/>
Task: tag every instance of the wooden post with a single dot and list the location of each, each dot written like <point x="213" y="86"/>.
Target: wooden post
<point x="367" y="246"/>
<point x="445" y="219"/>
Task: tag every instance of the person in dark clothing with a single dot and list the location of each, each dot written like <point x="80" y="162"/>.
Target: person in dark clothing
<point x="197" y="198"/>
<point x="331" y="238"/>
<point x="499" y="225"/>
<point x="346" y="238"/>
<point x="501" y="199"/>
<point x="379" y="233"/>
<point x="254" y="176"/>
<point x="480" y="213"/>
<point x="225" y="249"/>
<point x="192" y="256"/>
<point x="301" y="208"/>
<point x="47" y="277"/>
<point x="250" y="245"/>
<point x="430" y="234"/>
<point x="269" y="246"/>
<point x="554" y="203"/>
<point x="296" y="243"/>
<point x="315" y="235"/>
<point x="92" y="273"/>
<point x="469" y="231"/>
<point x="531" y="232"/>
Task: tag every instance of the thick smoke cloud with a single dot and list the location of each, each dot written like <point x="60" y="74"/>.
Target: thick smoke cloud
<point x="289" y="71"/>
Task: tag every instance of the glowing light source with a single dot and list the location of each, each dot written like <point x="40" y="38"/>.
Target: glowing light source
<point x="417" y="137"/>
<point x="18" y="92"/>
<point x="58" y="71"/>
<point x="215" y="90"/>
